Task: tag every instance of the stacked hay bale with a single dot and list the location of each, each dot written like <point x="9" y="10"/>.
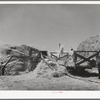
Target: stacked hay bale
<point x="20" y="63"/>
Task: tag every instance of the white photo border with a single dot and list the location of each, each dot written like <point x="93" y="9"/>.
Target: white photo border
<point x="49" y="94"/>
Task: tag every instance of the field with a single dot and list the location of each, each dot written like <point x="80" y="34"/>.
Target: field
<point x="25" y="73"/>
<point x="30" y="81"/>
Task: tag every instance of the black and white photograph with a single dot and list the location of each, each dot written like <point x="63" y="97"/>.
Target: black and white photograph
<point x="50" y="47"/>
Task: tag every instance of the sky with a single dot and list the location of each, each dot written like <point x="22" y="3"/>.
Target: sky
<point x="44" y="26"/>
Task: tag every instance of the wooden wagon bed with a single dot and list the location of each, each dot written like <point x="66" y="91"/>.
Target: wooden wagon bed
<point x="79" y="59"/>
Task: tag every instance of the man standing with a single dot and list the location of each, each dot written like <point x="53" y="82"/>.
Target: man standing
<point x="71" y="54"/>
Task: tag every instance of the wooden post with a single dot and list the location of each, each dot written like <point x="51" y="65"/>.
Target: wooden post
<point x="3" y="67"/>
<point x="30" y="60"/>
<point x="75" y="58"/>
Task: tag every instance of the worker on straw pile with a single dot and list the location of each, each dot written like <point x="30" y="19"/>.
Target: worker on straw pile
<point x="61" y="51"/>
<point x="71" y="53"/>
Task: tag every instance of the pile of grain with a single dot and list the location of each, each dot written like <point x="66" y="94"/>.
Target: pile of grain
<point x="43" y="70"/>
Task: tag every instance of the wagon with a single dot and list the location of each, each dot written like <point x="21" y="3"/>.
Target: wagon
<point x="80" y="59"/>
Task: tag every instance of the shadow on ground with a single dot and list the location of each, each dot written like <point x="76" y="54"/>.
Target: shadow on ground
<point x="82" y="72"/>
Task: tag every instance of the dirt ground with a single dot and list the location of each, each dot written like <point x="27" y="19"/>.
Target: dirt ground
<point x="29" y="81"/>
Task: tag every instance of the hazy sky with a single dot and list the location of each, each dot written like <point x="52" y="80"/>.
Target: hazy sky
<point x="45" y="26"/>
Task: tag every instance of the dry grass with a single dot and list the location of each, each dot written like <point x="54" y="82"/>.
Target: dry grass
<point x="45" y="81"/>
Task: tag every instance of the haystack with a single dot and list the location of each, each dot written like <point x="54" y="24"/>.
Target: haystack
<point x="90" y="44"/>
<point x="20" y="62"/>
